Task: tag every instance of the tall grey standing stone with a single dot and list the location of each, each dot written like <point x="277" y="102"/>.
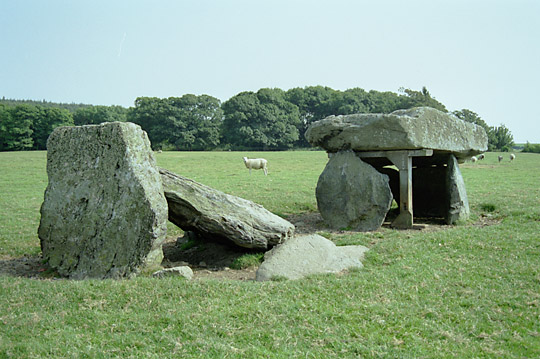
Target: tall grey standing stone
<point x="104" y="214"/>
<point x="352" y="194"/>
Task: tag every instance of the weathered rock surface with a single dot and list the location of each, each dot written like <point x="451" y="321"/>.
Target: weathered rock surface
<point x="212" y="213"/>
<point x="104" y="213"/>
<point x="458" y="202"/>
<point x="417" y="128"/>
<point x="308" y="254"/>
<point x="352" y="194"/>
<point x="181" y="271"/>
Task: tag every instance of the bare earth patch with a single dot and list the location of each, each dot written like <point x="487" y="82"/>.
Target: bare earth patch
<point x="210" y="260"/>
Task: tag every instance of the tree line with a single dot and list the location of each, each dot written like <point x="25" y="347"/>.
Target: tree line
<point x="269" y="119"/>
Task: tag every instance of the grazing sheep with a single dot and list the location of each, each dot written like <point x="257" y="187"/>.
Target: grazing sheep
<point x="474" y="159"/>
<point x="256" y="164"/>
<point x="500" y="158"/>
<point x="481" y="157"/>
<point x="512" y="157"/>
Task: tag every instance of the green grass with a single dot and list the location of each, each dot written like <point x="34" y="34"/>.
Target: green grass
<point x="248" y="260"/>
<point x="467" y="291"/>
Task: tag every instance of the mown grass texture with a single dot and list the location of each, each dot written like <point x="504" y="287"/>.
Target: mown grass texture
<point x="466" y="291"/>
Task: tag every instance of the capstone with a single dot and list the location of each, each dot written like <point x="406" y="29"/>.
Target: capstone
<point x="416" y="128"/>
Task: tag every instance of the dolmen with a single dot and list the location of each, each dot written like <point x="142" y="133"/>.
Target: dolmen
<point x="376" y="157"/>
<point x="107" y="204"/>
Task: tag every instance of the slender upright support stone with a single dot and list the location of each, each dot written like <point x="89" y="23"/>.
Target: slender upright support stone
<point x="458" y="203"/>
<point x="403" y="162"/>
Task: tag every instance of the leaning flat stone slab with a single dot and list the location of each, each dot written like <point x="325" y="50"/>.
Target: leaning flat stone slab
<point x="214" y="214"/>
<point x="308" y="254"/>
<point x="104" y="214"/>
<point x="416" y="128"/>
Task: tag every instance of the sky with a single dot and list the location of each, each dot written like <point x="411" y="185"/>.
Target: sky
<point x="481" y="55"/>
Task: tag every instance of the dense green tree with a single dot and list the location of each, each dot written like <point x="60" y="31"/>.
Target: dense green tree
<point x="260" y="121"/>
<point x="413" y="98"/>
<point x="472" y="117"/>
<point x="71" y="107"/>
<point x="186" y="123"/>
<point x="156" y="117"/>
<point x="351" y="101"/>
<point x="314" y="103"/>
<point x="532" y="148"/>
<point x="500" y="139"/>
<point x="93" y="115"/>
<point x="201" y="117"/>
<point x="46" y="121"/>
<point x="385" y="102"/>
<point x="16" y="127"/>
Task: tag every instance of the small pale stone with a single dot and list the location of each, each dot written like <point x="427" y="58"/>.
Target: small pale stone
<point x="308" y="254"/>
<point x="182" y="271"/>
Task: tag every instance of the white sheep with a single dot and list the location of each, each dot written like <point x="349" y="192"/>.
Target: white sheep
<point x="474" y="159"/>
<point x="512" y="157"/>
<point x="500" y="158"/>
<point x="256" y="164"/>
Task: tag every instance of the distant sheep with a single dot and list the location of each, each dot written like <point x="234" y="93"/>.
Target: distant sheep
<point x="256" y="164"/>
<point x="500" y="158"/>
<point x="481" y="157"/>
<point x="512" y="157"/>
<point x="474" y="159"/>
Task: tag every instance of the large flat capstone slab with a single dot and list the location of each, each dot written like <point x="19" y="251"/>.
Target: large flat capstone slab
<point x="416" y="128"/>
<point x="104" y="214"/>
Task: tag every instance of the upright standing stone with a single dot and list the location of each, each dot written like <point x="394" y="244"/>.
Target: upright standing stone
<point x="104" y="213"/>
<point x="458" y="202"/>
<point x="352" y="194"/>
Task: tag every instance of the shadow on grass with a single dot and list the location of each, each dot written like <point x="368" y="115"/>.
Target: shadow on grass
<point x="25" y="267"/>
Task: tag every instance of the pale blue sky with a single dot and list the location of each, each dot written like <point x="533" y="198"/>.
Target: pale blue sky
<point x="476" y="54"/>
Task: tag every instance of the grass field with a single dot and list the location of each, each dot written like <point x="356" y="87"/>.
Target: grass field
<point x="468" y="291"/>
